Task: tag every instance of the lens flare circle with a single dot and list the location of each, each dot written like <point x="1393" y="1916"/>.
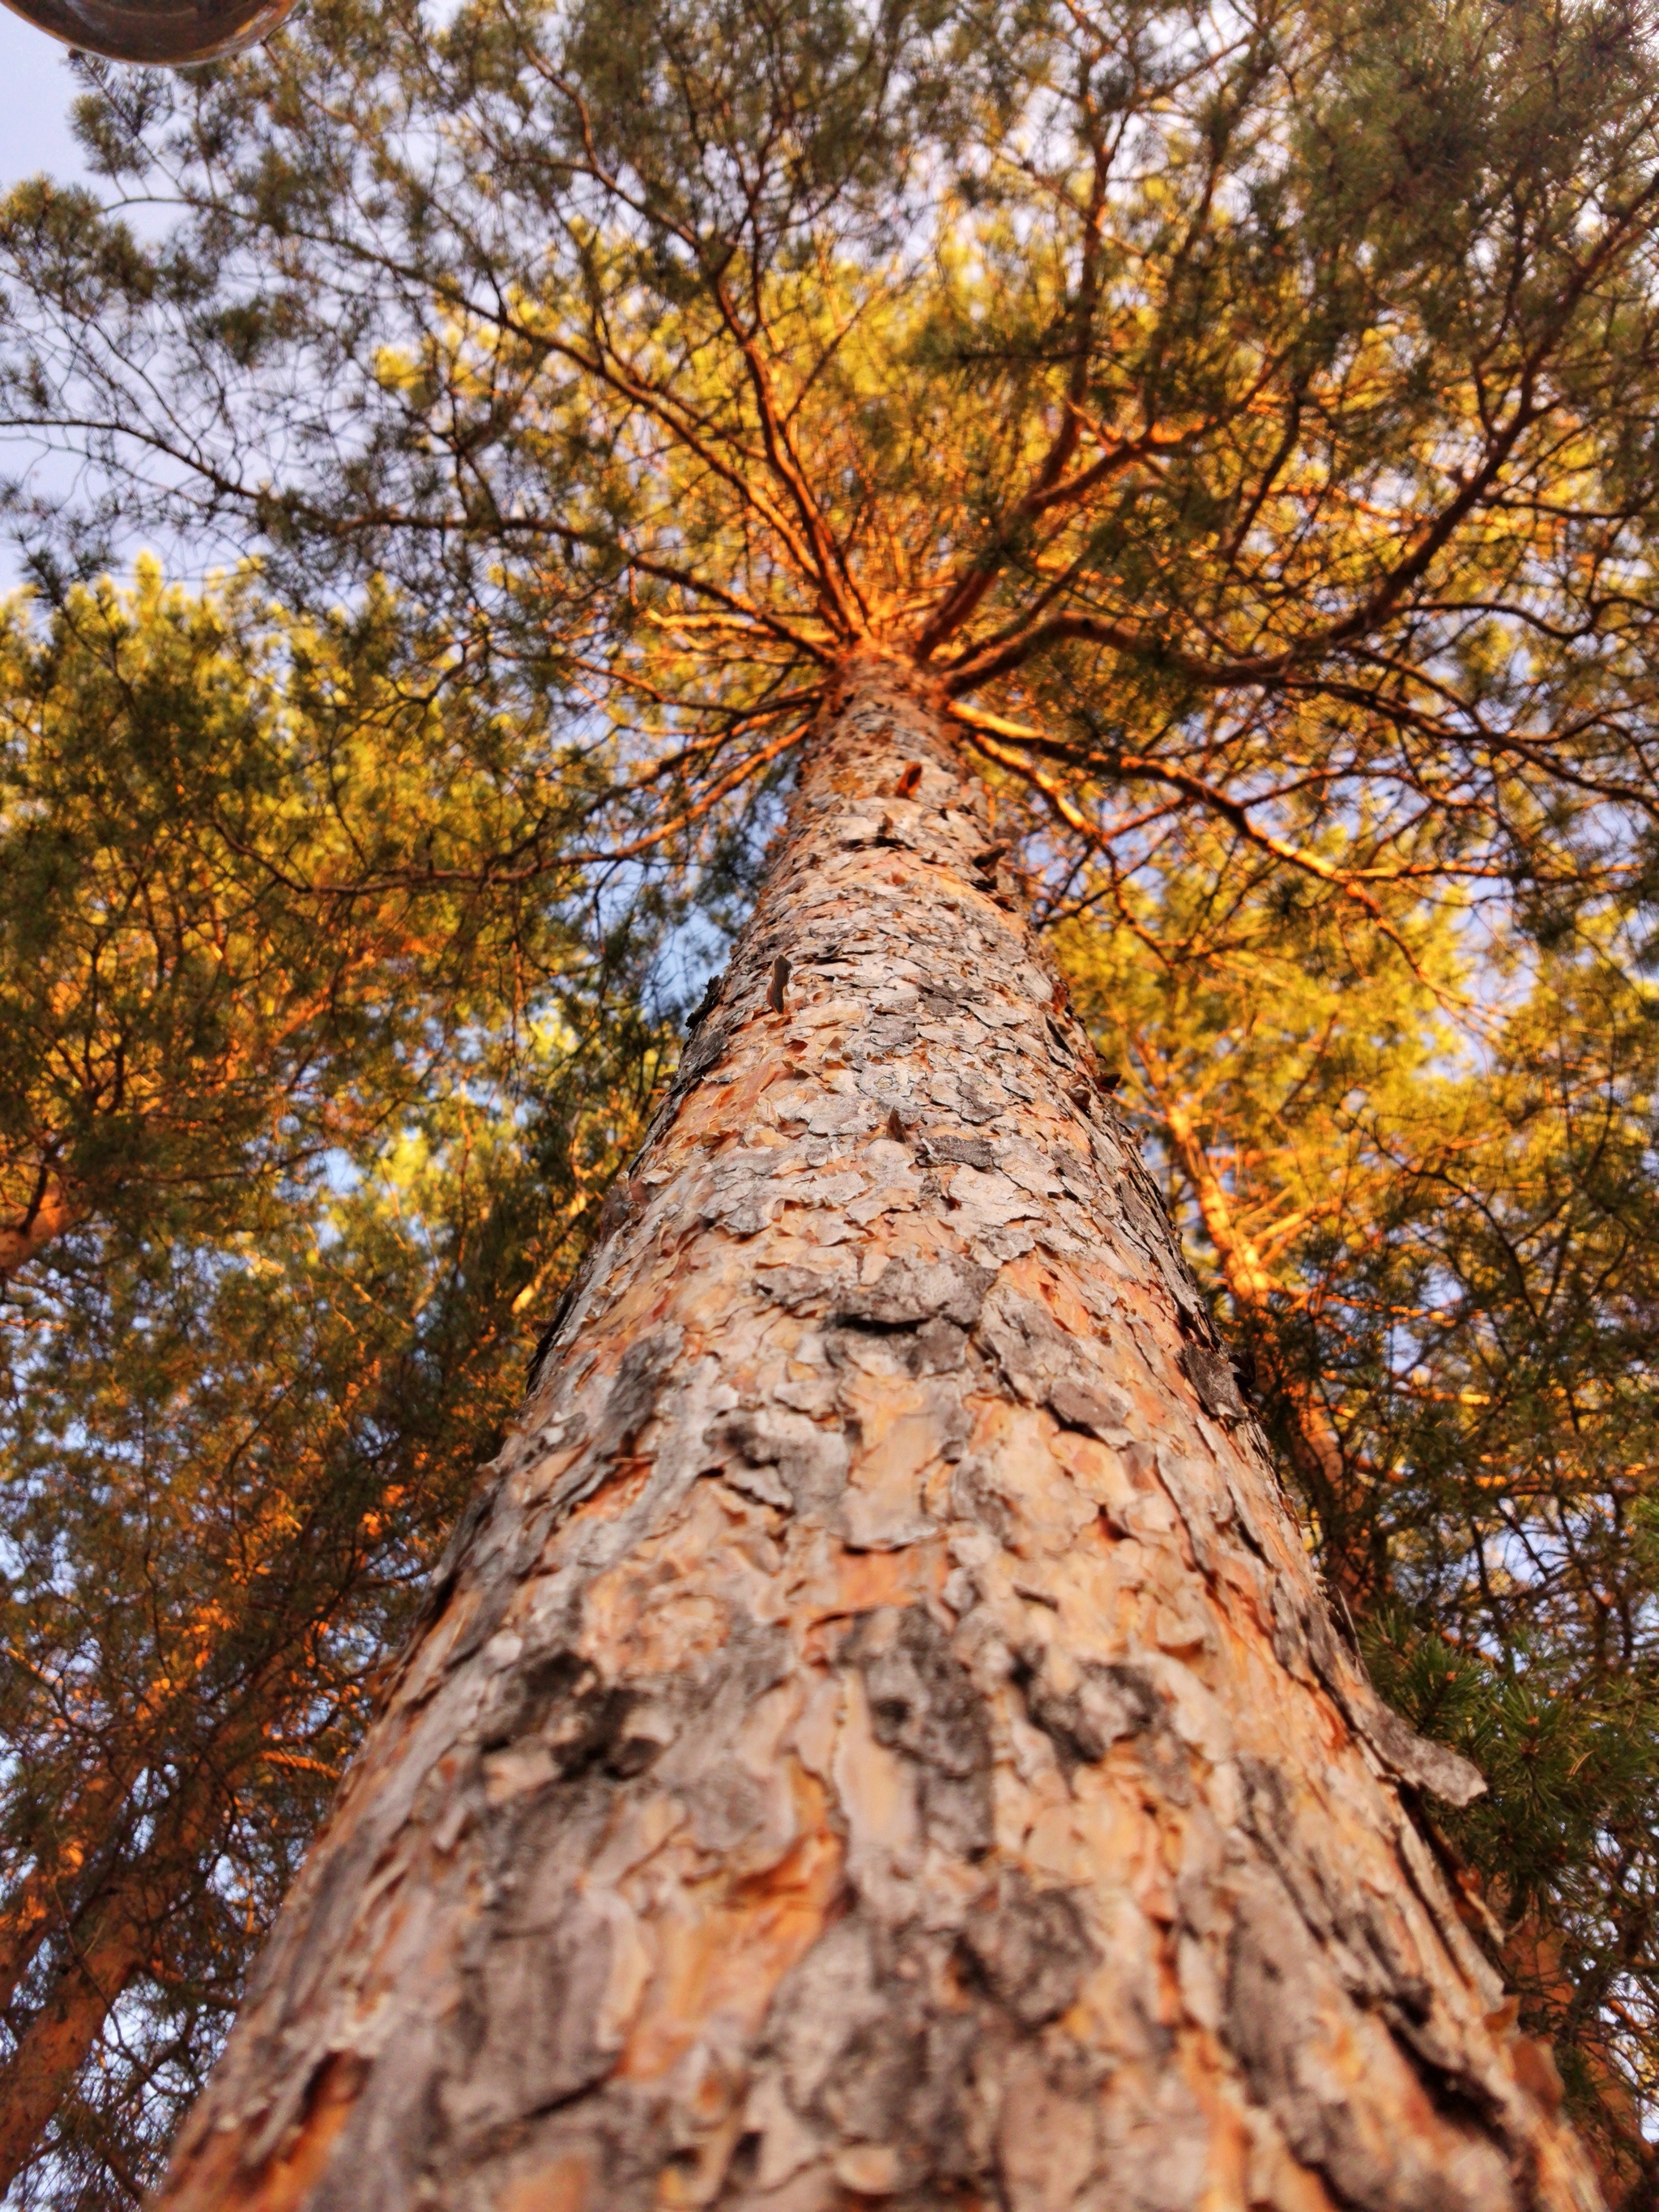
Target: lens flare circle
<point x="162" y="33"/>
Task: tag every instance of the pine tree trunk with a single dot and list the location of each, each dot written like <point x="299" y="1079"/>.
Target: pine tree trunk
<point x="106" y="1936"/>
<point x="55" y="2043"/>
<point x="879" y="1737"/>
<point x="45" y="1217"/>
<point x="53" y="1890"/>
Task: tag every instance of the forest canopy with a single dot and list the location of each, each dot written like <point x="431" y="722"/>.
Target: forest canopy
<point x="1246" y="415"/>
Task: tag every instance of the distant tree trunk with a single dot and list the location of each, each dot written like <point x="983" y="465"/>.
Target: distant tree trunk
<point x="59" y="2032"/>
<point x="45" y="1218"/>
<point x="114" y="1941"/>
<point x="86" y="1830"/>
<point x="877" y="1736"/>
<point x="104" y="1935"/>
<point x="35" y="1906"/>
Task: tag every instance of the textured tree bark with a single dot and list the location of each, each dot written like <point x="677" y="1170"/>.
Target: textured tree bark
<point x="876" y="1737"/>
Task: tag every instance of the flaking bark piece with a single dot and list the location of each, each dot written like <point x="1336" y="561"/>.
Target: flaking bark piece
<point x="1030" y="1946"/>
<point x="958" y="1151"/>
<point x="1212" y="1377"/>
<point x="1410" y="1757"/>
<point x="634" y="1391"/>
<point x="1303" y="1637"/>
<point x="923" y="1702"/>
<point x="1109" y="1704"/>
<point x="706" y="1005"/>
<point x="1079" y="1405"/>
<point x="909" y="1291"/>
<point x="802" y="1290"/>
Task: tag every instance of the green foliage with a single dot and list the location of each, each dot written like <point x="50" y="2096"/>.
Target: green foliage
<point x="265" y="877"/>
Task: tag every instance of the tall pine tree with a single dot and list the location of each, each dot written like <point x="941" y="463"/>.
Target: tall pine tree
<point x="1237" y="416"/>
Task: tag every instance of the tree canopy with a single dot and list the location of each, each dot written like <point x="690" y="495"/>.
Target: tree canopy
<point x="1247" y="413"/>
<point x="1286" y="370"/>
